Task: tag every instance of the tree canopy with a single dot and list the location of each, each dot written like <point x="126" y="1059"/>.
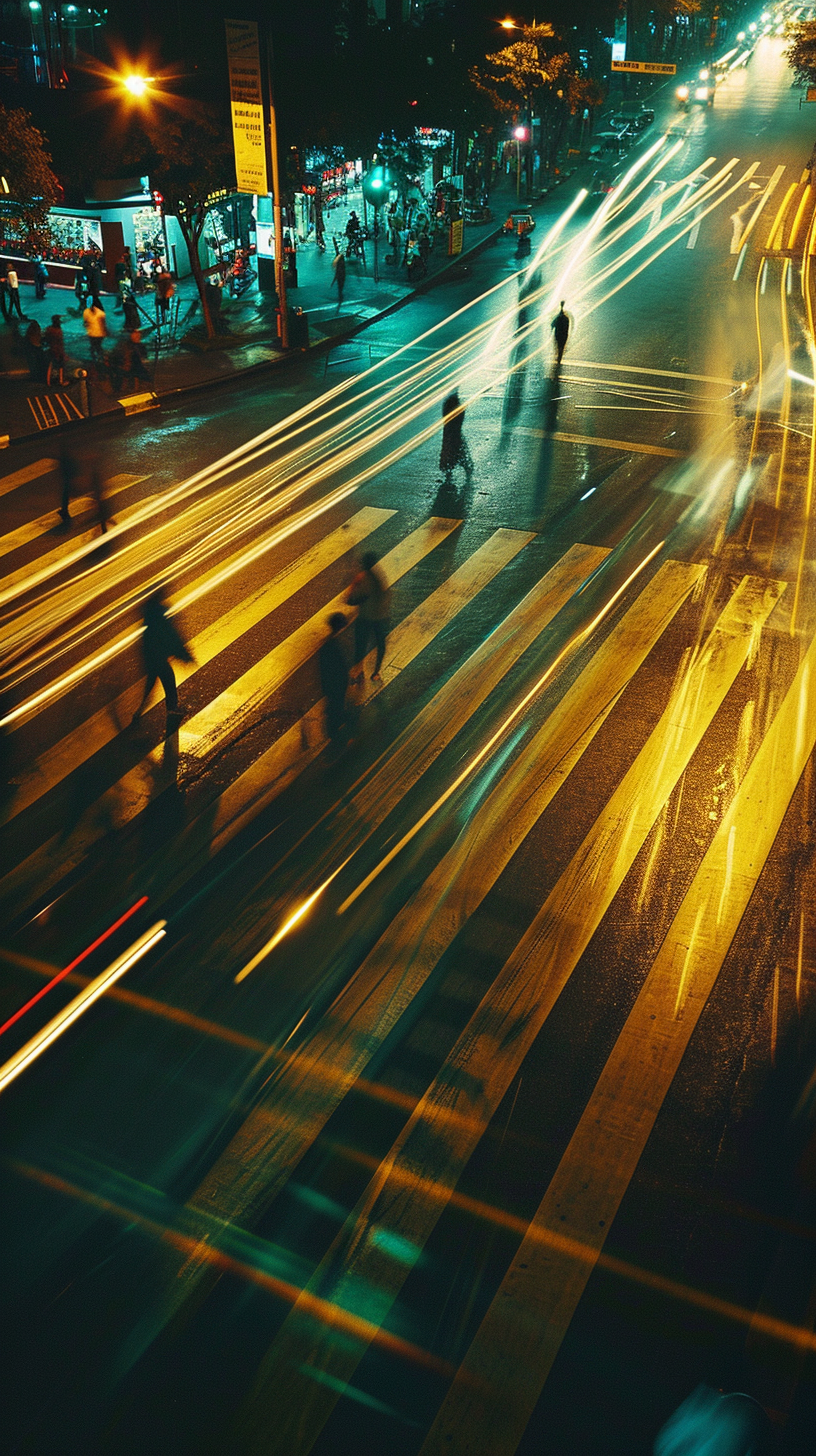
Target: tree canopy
<point x="25" y="166"/>
<point x="801" y="53"/>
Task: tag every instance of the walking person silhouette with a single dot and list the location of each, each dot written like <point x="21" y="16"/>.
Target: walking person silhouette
<point x="560" y="327"/>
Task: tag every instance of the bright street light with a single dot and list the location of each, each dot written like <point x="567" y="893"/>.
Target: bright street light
<point x="509" y="25"/>
<point x="520" y="133"/>
<point x="137" y="85"/>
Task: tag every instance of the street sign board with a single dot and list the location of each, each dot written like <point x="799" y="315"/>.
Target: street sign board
<point x="246" y="99"/>
<point x="811" y="93"/>
<point x="652" y="68"/>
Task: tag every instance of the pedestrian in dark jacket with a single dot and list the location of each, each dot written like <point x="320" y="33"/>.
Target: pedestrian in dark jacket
<point x="454" y="446"/>
<point x="370" y="594"/>
<point x="334" y="679"/>
<point x="40" y="278"/>
<point x="132" y="319"/>
<point x="560" y="327"/>
<point x="55" y="342"/>
<point x="5" y="302"/>
<point x="34" y="351"/>
<point x="161" y="641"/>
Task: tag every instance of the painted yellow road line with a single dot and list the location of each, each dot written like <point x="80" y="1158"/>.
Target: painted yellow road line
<point x="226" y="713"/>
<point x="387" y="1230"/>
<point x="51" y="519"/>
<point x="797" y="221"/>
<point x="442" y="905"/>
<point x="776" y="226"/>
<point x="506" y="1367"/>
<point x="78" y="746"/>
<point x="28" y="473"/>
<point x="773" y="183"/>
<point x="416" y="749"/>
<point x="637" y="447"/>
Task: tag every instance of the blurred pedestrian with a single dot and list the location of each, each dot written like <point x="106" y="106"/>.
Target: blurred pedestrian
<point x="560" y="327"/>
<point x="55" y="342"/>
<point x="370" y="594"/>
<point x="34" y="351"/>
<point x="96" y="328"/>
<point x="69" y="471"/>
<point x="165" y="288"/>
<point x="339" y="266"/>
<point x="132" y="318"/>
<point x="97" y="488"/>
<point x="4" y="296"/>
<point x="13" y="284"/>
<point x="40" y="278"/>
<point x="454" y="446"/>
<point x="161" y="641"/>
<point x="80" y="287"/>
<point x="214" y="294"/>
<point x="334" y="679"/>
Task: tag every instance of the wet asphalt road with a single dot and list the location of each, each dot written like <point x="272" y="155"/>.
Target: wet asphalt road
<point x="195" y="1153"/>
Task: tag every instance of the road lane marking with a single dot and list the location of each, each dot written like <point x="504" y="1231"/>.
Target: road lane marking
<point x="395" y="1212"/>
<point x="134" y="791"/>
<point x="637" y="447"/>
<point x="771" y="187"/>
<point x="51" y="519"/>
<point x="691" y="240"/>
<point x="76" y="747"/>
<point x="48" y="864"/>
<point x="485" y="849"/>
<point x="28" y="473"/>
<point x="229" y="710"/>
<point x="416" y="749"/>
<point x="514" y="1349"/>
<point x="658" y="373"/>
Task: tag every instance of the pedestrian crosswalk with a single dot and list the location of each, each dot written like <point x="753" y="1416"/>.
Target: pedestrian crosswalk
<point x="502" y="706"/>
<point x="50" y="410"/>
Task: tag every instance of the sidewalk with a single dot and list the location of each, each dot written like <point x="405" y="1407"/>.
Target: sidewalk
<point x="28" y="408"/>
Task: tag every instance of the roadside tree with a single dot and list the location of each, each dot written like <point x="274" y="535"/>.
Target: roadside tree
<point x="28" y="187"/>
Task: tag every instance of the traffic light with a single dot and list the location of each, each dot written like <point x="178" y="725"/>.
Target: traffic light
<point x="375" y="187"/>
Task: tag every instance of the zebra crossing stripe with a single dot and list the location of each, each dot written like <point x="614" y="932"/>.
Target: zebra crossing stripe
<point x="417" y="747"/>
<point x="225" y="714"/>
<point x="44" y="867"/>
<point x="78" y="746"/>
<point x="383" y="986"/>
<point x="514" y="1349"/>
<point x="28" y="473"/>
<point x="398" y="1212"/>
<point x="51" y="519"/>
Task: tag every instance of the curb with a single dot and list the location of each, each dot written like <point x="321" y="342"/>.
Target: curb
<point x="322" y="346"/>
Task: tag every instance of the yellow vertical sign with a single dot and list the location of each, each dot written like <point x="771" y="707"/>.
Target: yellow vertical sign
<point x="246" y="99"/>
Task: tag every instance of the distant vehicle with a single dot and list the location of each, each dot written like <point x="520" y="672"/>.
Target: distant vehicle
<point x="699" y="92"/>
<point x="518" y="223"/>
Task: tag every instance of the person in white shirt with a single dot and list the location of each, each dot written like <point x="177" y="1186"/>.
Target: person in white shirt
<point x="13" y="291"/>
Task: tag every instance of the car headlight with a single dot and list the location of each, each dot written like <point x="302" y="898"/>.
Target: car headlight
<point x="682" y="92"/>
<point x="701" y="94"/>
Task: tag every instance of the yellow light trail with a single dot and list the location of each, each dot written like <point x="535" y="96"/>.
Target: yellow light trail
<point x="478" y="758"/>
<point x="811" y="475"/>
<point x="81" y="1003"/>
<point x="399" y="420"/>
<point x="296" y="916"/>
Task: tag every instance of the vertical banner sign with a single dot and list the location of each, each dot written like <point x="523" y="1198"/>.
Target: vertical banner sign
<point x="246" y="97"/>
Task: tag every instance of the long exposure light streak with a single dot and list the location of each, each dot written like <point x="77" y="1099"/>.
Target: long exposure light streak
<point x="423" y="386"/>
<point x="479" y="757"/>
<point x="77" y="961"/>
<point x="80" y="1004"/>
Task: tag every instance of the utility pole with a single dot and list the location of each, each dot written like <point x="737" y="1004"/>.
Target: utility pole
<point x="277" y="215"/>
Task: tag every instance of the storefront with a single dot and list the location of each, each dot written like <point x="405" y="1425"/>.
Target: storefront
<point x="109" y="228"/>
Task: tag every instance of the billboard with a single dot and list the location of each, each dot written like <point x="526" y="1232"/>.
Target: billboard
<point x="246" y="104"/>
